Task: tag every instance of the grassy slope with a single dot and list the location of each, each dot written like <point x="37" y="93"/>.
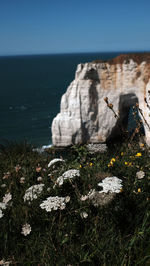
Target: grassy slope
<point x="117" y="234"/>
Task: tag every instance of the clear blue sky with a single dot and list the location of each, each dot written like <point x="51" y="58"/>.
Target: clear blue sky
<point x="64" y="26"/>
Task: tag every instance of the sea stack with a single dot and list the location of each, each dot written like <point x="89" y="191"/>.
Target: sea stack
<point x="84" y="115"/>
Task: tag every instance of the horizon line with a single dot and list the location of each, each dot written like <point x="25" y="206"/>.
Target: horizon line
<point x="69" y="53"/>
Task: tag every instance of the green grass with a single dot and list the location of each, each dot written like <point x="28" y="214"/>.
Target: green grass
<point x="115" y="234"/>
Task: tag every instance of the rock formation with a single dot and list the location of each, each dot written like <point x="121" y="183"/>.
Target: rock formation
<point x="84" y="115"/>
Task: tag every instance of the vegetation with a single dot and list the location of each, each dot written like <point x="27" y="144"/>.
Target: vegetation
<point x="76" y="232"/>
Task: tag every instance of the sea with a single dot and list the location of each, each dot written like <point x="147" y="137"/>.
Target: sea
<point x="31" y="88"/>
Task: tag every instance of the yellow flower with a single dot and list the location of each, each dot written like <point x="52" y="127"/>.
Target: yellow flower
<point x="113" y="160"/>
<point x="122" y="153"/>
<point x="80" y="166"/>
<point x="139" y="190"/>
<point x="126" y="163"/>
<point x="141" y="144"/>
<point x="91" y="164"/>
<point x="121" y="189"/>
<point x="138" y="154"/>
<point x="130" y="164"/>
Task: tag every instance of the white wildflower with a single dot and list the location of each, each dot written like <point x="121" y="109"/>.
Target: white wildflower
<point x="5" y="263"/>
<point x="22" y="180"/>
<point x="140" y="174"/>
<point x="1" y="213"/>
<point x="48" y="189"/>
<point x="7" y="198"/>
<point x="84" y="215"/>
<point x="26" y="229"/>
<point x="3" y="185"/>
<point x="83" y="198"/>
<point x="54" y="203"/>
<point x="2" y="205"/>
<point x="91" y="193"/>
<point x="33" y="192"/>
<point x="39" y="179"/>
<point x="67" y="175"/>
<point x="67" y="199"/>
<point x="55" y="161"/>
<point x="111" y="184"/>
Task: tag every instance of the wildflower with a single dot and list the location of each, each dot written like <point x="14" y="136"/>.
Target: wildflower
<point x="140" y="174"/>
<point x="22" y="180"/>
<point x="7" y="198"/>
<point x="6" y="175"/>
<point x="17" y="168"/>
<point x="121" y="189"/>
<point x="67" y="175"/>
<point x="55" y="161"/>
<point x="38" y="168"/>
<point x="138" y="154"/>
<point x="83" y="198"/>
<point x="84" y="215"/>
<point x="39" y="179"/>
<point x="1" y="213"/>
<point x="113" y="160"/>
<point x="139" y="190"/>
<point x="80" y="166"/>
<point x="32" y="192"/>
<point x="91" y="164"/>
<point x="111" y="184"/>
<point x="122" y="153"/>
<point x="130" y="164"/>
<point x="126" y="163"/>
<point x="67" y="199"/>
<point x="141" y="145"/>
<point x="2" y="205"/>
<point x="3" y="185"/>
<point x="26" y="229"/>
<point x="54" y="203"/>
<point x="5" y="263"/>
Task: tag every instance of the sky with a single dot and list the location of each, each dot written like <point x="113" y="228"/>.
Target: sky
<point x="68" y="26"/>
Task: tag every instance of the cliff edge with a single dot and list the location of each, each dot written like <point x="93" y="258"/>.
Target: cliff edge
<point x="84" y="116"/>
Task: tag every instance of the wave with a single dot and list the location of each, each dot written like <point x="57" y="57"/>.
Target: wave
<point x="43" y="148"/>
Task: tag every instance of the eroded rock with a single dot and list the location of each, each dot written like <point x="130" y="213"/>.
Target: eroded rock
<point x="84" y="115"/>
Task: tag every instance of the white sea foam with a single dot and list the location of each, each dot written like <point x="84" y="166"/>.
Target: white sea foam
<point x="43" y="148"/>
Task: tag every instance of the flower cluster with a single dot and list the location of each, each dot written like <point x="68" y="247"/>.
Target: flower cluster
<point x="111" y="184"/>
<point x="26" y="229"/>
<point x="54" y="203"/>
<point x="67" y="175"/>
<point x="4" y="203"/>
<point x="140" y="174"/>
<point x="33" y="192"/>
<point x="111" y="162"/>
<point x="55" y="161"/>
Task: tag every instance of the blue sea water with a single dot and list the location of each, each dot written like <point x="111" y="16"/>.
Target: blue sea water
<point x="30" y="92"/>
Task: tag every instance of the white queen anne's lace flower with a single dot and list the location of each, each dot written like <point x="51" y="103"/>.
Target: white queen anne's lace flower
<point x="33" y="192"/>
<point x="26" y="229"/>
<point x="7" y="198"/>
<point x="84" y="215"/>
<point x="1" y="213"/>
<point x="67" y="175"/>
<point x="5" y="263"/>
<point x="56" y="160"/>
<point x="54" y="203"/>
<point x="111" y="184"/>
<point x="140" y="174"/>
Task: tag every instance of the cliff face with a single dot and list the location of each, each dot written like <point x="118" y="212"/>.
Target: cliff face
<point x="84" y="116"/>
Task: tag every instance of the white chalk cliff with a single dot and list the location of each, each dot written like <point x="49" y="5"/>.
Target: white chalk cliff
<point x="84" y="116"/>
